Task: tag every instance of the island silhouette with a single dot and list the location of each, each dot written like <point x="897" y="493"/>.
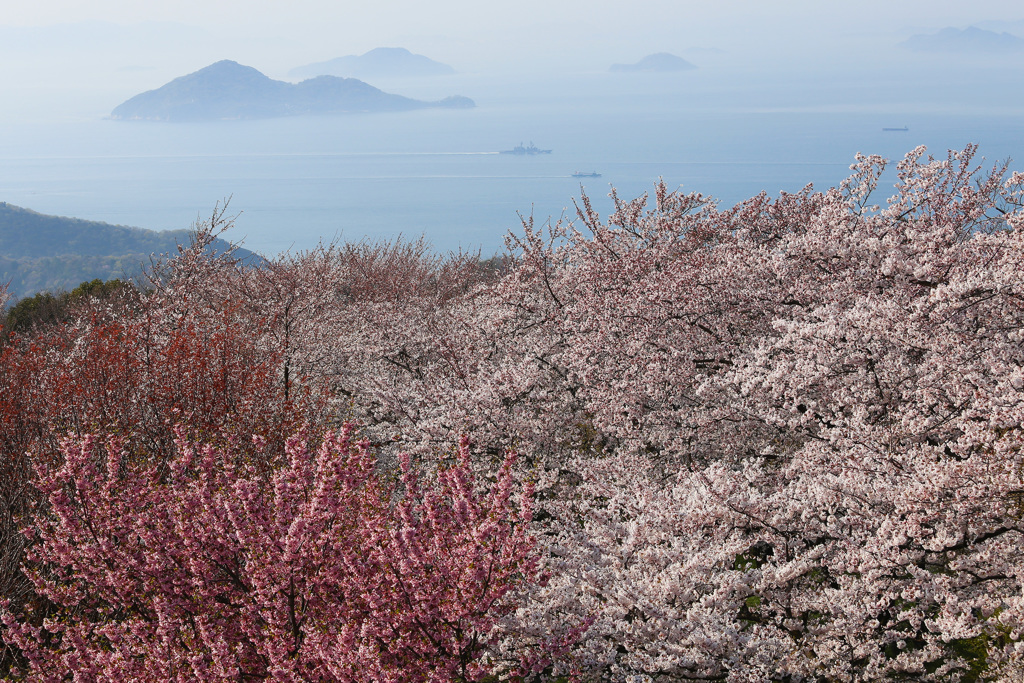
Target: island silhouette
<point x="229" y="90"/>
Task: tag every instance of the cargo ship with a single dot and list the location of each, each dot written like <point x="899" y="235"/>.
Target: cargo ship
<point x="579" y="174"/>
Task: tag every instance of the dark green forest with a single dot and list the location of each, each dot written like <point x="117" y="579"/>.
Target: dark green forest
<point x="41" y="253"/>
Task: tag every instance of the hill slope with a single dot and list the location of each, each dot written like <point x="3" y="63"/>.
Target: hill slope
<point x="53" y="253"/>
<point x="229" y="90"/>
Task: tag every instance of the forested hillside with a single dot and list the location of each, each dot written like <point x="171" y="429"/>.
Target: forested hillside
<point x="53" y="253"/>
<point x="779" y="441"/>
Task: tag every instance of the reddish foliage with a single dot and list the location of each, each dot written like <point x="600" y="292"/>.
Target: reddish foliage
<point x="214" y="572"/>
<point x="129" y="376"/>
<point x="132" y="378"/>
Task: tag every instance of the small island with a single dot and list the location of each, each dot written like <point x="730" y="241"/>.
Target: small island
<point x="381" y="62"/>
<point x="969" y="41"/>
<point x="229" y="90"/>
<point x="659" y="61"/>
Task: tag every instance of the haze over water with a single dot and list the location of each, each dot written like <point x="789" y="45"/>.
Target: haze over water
<point x="731" y="128"/>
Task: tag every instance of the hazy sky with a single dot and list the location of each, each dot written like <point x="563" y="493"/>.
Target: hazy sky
<point x="463" y="16"/>
<point x="531" y="31"/>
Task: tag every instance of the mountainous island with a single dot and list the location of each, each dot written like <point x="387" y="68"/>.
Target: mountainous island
<point x="229" y="90"/>
<point x="659" y="61"/>
<point x="381" y="62"/>
<point x="971" y="40"/>
<point x="53" y="253"/>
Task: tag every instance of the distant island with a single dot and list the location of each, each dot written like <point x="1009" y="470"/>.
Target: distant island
<point x="1015" y="27"/>
<point x="382" y="62"/>
<point x="53" y="253"/>
<point x="660" y="61"/>
<point x="971" y="40"/>
<point x="229" y="90"/>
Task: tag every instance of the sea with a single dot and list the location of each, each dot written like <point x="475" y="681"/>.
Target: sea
<point x="291" y="183"/>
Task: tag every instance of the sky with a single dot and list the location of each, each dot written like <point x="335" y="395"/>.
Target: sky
<point x="524" y="33"/>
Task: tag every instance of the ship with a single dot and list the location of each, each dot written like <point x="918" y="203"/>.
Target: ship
<point x="520" y="150"/>
<point x="904" y="129"/>
<point x="580" y="174"/>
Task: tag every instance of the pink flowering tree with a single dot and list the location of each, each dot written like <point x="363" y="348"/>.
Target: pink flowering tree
<point x="208" y="571"/>
<point x="806" y="414"/>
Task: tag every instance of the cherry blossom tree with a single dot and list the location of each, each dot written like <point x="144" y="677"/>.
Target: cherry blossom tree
<point x="806" y="430"/>
<point x="323" y="571"/>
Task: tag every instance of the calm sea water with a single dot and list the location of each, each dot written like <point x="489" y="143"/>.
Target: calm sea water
<point x="437" y="173"/>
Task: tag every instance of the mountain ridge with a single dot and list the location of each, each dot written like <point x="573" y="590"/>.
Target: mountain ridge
<point x="659" y="61"/>
<point x="971" y="40"/>
<point x="381" y="62"/>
